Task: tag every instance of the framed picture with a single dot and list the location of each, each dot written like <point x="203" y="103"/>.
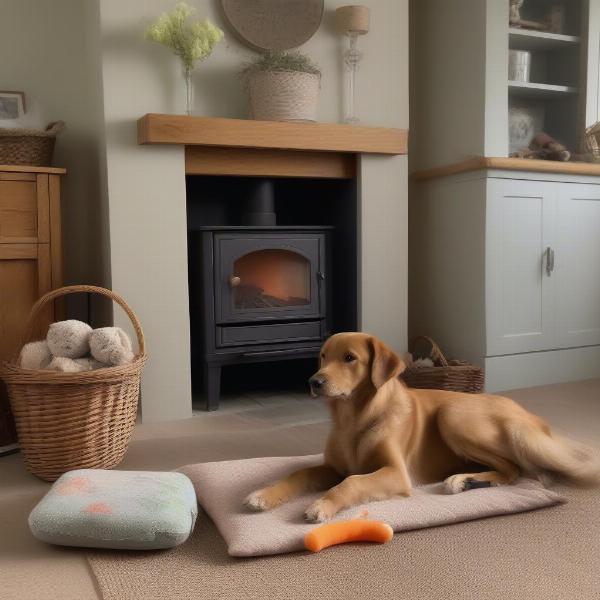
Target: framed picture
<point x="12" y="105"/>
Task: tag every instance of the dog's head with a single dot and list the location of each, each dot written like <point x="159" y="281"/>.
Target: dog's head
<point x="352" y="363"/>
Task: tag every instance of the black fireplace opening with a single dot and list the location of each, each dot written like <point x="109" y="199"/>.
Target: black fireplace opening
<point x="273" y="271"/>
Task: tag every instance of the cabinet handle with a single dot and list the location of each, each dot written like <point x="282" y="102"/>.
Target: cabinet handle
<point x="549" y="261"/>
<point x="234" y="281"/>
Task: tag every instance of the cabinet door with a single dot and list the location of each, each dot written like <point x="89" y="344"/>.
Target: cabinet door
<point x="519" y="294"/>
<point x="24" y="276"/>
<point x="577" y="265"/>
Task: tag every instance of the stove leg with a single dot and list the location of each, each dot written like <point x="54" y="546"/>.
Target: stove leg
<point x="212" y="386"/>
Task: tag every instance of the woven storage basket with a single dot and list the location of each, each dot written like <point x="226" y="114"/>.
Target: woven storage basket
<point x="283" y="95"/>
<point x="71" y="421"/>
<point x="32" y="147"/>
<point x="592" y="140"/>
<point x="451" y="375"/>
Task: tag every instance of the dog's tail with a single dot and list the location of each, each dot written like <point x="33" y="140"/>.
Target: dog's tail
<point x="543" y="453"/>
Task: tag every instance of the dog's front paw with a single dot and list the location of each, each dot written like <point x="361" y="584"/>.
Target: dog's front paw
<point x="321" y="510"/>
<point x="258" y="500"/>
<point x="266" y="499"/>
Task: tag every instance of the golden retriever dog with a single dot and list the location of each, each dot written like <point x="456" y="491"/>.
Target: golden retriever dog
<point x="385" y="435"/>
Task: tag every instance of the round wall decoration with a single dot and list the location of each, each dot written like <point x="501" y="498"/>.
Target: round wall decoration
<point x="274" y="24"/>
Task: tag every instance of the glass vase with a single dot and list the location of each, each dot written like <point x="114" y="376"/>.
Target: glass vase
<point x="189" y="91"/>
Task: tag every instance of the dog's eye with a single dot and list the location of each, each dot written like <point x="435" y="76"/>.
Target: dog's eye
<point x="349" y="358"/>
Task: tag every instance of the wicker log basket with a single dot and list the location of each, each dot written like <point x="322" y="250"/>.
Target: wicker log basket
<point x="451" y="375"/>
<point x="71" y="421"/>
<point x="32" y="147"/>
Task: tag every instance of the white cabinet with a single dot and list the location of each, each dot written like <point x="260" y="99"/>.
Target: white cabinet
<point x="505" y="272"/>
<point x="543" y="266"/>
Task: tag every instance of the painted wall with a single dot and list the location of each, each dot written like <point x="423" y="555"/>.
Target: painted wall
<point x="50" y="51"/>
<point x="459" y="62"/>
<point x="146" y="186"/>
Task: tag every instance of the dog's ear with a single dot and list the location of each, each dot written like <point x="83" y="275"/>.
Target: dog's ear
<point x="385" y="365"/>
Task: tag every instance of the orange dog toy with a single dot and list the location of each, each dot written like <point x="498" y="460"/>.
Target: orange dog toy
<point x="343" y="532"/>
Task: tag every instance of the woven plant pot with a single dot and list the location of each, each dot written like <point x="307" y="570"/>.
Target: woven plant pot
<point x="283" y="95"/>
<point x="449" y="375"/>
<point x="31" y="147"/>
<point x="71" y="421"/>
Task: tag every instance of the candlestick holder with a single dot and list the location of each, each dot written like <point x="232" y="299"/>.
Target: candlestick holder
<point x="352" y="21"/>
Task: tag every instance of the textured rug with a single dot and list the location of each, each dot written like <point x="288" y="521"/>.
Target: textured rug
<point x="536" y="555"/>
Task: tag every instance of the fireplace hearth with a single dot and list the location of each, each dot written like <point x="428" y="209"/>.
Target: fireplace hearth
<point x="259" y="291"/>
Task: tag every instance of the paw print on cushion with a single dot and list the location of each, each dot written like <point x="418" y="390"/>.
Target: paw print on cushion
<point x="76" y="485"/>
<point x="98" y="508"/>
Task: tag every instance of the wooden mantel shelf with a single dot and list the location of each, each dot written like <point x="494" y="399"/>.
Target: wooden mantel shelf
<point x="270" y="135"/>
<point x="479" y="163"/>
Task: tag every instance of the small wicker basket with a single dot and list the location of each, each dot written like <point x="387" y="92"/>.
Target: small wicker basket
<point x="32" y="147"/>
<point x="592" y="140"/>
<point x="71" y="421"/>
<point x="450" y="375"/>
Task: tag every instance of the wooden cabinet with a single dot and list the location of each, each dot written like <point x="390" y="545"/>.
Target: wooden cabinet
<point x="30" y="255"/>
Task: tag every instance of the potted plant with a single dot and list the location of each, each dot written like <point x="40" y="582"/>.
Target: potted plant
<point x="283" y="86"/>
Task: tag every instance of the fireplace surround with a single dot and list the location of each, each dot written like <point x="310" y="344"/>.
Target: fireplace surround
<point x="350" y="177"/>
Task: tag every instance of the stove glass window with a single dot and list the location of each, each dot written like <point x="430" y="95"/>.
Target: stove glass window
<point x="271" y="278"/>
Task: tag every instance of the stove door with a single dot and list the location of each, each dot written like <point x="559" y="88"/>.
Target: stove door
<point x="264" y="276"/>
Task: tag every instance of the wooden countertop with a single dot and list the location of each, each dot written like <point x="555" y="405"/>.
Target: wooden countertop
<point x="28" y="169"/>
<point x="246" y="133"/>
<point x="509" y="164"/>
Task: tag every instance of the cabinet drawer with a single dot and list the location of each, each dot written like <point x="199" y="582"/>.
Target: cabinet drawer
<point x="257" y="334"/>
<point x="24" y="208"/>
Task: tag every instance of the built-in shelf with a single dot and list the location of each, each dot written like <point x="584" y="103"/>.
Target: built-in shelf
<point x="539" y="90"/>
<point x="274" y="135"/>
<point x="524" y="39"/>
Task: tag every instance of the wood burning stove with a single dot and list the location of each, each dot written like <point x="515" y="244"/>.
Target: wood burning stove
<point x="261" y="295"/>
<point x="258" y="292"/>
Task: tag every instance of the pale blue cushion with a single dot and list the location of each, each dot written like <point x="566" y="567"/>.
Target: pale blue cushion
<point x="116" y="509"/>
